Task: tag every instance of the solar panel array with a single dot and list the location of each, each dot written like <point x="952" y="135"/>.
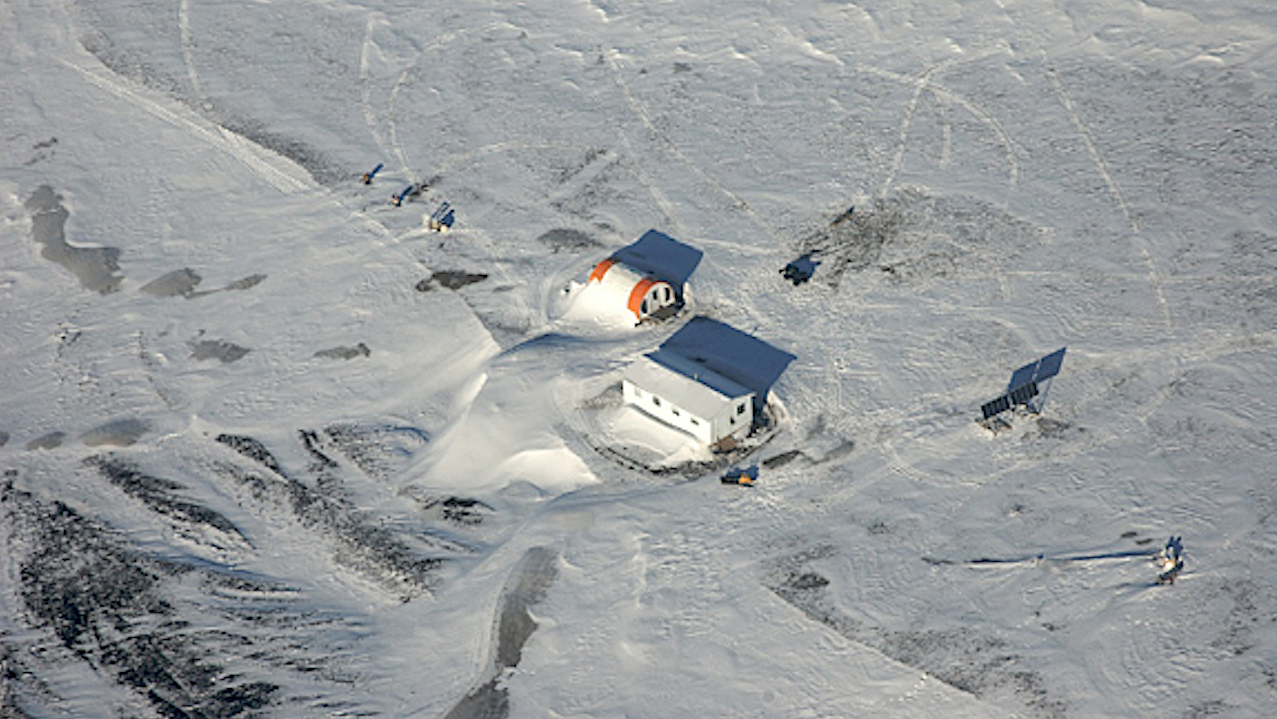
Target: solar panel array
<point x="1037" y="371"/>
<point x="1024" y="384"/>
<point x="996" y="407"/>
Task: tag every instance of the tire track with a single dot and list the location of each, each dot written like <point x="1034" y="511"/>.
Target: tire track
<point x="945" y="94"/>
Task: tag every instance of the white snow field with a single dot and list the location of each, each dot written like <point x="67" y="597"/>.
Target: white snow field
<point x="271" y="448"/>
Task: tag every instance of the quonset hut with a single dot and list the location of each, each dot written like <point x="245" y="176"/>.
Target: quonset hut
<point x="641" y="293"/>
<point x="647" y="277"/>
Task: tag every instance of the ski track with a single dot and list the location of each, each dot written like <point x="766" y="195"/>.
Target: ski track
<point x="1154" y="277"/>
<point x="374" y="21"/>
<point x="641" y="113"/>
<point x="188" y="52"/>
<point x="920" y="86"/>
<point x="438" y="43"/>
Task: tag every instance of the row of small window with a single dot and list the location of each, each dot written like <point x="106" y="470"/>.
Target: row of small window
<point x="740" y="408"/>
<point x="657" y="401"/>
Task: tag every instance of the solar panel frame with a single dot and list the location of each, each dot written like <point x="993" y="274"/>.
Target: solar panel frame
<point x="1049" y="366"/>
<point x="1023" y="393"/>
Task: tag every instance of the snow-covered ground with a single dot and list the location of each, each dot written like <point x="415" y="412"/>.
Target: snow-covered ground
<point x="271" y="448"/>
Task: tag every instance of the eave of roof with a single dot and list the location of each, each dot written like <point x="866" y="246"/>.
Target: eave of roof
<point x="684" y="383"/>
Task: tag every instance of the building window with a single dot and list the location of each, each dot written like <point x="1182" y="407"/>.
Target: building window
<point x="740" y="409"/>
<point x="695" y="422"/>
<point x="656" y="400"/>
<point x="674" y="411"/>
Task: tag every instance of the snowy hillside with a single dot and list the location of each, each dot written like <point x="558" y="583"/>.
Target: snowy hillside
<point x="272" y="448"/>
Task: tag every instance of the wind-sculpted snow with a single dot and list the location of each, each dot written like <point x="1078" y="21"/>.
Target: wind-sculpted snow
<point x="110" y="36"/>
<point x="252" y="449"/>
<point x="273" y="447"/>
<point x="375" y="450"/>
<point x="357" y="540"/>
<point x="159" y="496"/>
<point x="144" y="621"/>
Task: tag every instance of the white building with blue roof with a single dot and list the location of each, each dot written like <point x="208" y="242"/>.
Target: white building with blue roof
<point x="689" y="396"/>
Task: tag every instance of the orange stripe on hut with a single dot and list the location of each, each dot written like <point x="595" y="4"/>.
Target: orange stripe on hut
<point x="637" y="295"/>
<point x="601" y="269"/>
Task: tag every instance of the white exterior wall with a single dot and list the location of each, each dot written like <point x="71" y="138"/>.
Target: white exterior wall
<point x="731" y="421"/>
<point x="660" y="407"/>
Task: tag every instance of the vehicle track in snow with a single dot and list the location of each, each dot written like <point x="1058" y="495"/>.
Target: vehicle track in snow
<point x="279" y="173"/>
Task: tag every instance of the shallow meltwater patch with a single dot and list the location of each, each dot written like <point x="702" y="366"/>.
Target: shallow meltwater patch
<point x="527" y="586"/>
<point x="451" y="279"/>
<point x="345" y="353"/>
<point x="97" y="268"/>
<point x="227" y="352"/>
<point x="562" y="239"/>
<point x="246" y="283"/>
<point x="118" y="433"/>
<point x="178" y="282"/>
<point x="52" y="440"/>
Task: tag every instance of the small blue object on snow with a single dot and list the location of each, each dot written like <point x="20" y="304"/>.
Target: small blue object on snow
<point x="372" y="173"/>
<point x="743" y="477"/>
<point x="800" y="270"/>
<point x="442" y="219"/>
<point x="397" y="200"/>
<point x="1170" y="561"/>
<point x="844" y="216"/>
